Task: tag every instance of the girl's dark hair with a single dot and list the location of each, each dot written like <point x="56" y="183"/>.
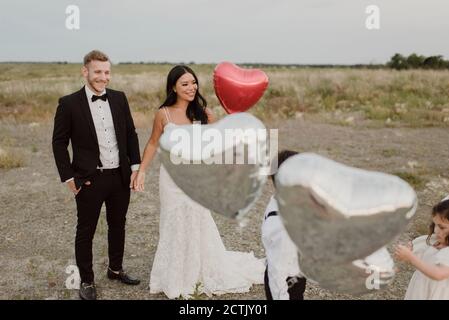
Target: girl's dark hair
<point x="196" y="110"/>
<point x="281" y="157"/>
<point x="441" y="209"/>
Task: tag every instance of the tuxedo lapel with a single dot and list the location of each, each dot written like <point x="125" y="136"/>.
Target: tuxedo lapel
<point x="87" y="113"/>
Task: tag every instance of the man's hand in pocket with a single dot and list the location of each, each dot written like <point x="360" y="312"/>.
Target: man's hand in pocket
<point x="72" y="186"/>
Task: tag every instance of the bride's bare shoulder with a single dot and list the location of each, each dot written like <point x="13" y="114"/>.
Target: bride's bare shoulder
<point x="160" y="118"/>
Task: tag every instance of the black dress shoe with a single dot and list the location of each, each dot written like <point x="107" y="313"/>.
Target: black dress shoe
<point x="123" y="277"/>
<point x="88" y="291"/>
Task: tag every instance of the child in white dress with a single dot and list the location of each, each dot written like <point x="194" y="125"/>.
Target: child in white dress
<point x="430" y="256"/>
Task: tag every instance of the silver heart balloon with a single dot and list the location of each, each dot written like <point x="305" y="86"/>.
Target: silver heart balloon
<point x="336" y="214"/>
<point x="361" y="276"/>
<point x="222" y="166"/>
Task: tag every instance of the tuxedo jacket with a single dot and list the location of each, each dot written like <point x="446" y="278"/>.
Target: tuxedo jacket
<point x="74" y="123"/>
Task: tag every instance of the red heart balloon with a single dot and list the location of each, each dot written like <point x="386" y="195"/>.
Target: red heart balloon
<point x="238" y="89"/>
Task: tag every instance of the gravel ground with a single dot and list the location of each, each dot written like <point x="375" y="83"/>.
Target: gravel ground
<point x="38" y="212"/>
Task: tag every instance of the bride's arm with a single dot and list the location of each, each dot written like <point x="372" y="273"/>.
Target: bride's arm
<point x="210" y="116"/>
<point x="150" y="150"/>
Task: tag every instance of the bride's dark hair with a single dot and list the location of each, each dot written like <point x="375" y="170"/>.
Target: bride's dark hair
<point x="196" y="110"/>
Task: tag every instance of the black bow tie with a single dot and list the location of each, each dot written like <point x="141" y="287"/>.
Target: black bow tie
<point x="103" y="97"/>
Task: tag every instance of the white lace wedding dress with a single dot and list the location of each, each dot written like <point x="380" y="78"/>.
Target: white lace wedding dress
<point x="190" y="255"/>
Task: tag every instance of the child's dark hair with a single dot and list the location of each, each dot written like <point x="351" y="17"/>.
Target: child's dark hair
<point x="441" y="209"/>
<point x="281" y="157"/>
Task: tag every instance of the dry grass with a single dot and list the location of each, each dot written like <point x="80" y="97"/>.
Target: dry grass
<point x="39" y="216"/>
<point x="415" y="180"/>
<point x="416" y="98"/>
<point x="10" y="159"/>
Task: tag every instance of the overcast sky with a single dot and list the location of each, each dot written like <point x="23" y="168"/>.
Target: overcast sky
<point x="211" y="31"/>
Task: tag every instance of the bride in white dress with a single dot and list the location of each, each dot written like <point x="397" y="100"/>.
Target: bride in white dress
<point x="190" y="255"/>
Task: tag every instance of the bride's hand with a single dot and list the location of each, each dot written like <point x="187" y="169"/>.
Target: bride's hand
<point x="139" y="182"/>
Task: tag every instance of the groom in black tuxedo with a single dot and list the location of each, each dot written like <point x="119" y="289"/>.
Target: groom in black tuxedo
<point x="106" y="157"/>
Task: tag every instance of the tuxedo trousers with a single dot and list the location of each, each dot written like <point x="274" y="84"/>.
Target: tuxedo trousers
<point x="105" y="187"/>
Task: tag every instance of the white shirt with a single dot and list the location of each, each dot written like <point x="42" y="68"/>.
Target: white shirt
<point x="281" y="252"/>
<point x="104" y="127"/>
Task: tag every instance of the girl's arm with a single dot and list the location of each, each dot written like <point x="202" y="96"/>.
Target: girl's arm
<point x="434" y="272"/>
<point x="150" y="150"/>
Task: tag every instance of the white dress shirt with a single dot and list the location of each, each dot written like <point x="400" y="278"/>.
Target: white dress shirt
<point x="281" y="253"/>
<point x="104" y="127"/>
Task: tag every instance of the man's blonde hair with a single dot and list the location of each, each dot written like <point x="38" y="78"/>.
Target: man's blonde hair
<point x="95" y="55"/>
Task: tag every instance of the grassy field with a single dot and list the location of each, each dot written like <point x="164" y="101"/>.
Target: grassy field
<point x="29" y="92"/>
<point x="383" y="120"/>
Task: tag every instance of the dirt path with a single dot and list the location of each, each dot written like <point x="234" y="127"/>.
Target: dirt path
<point x="38" y="213"/>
